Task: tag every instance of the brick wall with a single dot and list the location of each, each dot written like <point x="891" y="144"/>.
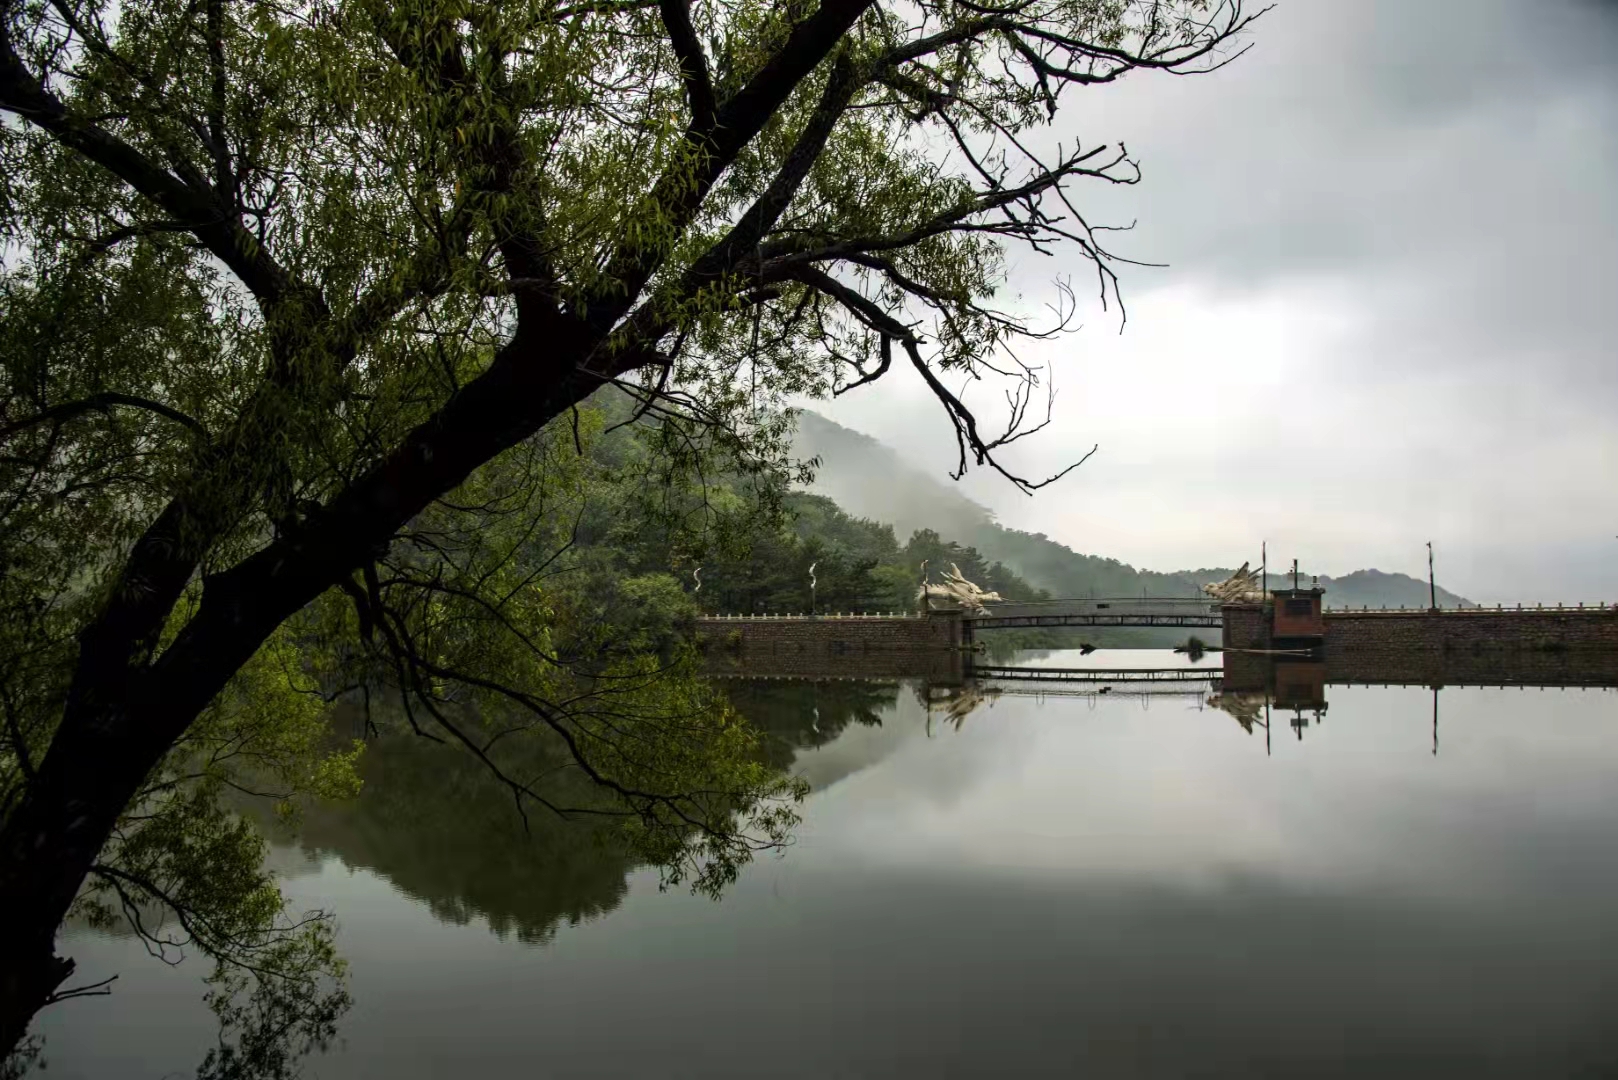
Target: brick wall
<point x="1245" y="627"/>
<point x="830" y="635"/>
<point x="1476" y="632"/>
<point x="1473" y="632"/>
<point x="1296" y="613"/>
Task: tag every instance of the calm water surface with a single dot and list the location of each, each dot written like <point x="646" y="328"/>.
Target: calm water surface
<point x="1041" y="884"/>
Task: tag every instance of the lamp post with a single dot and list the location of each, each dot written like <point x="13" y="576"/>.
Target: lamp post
<point x="1432" y="589"/>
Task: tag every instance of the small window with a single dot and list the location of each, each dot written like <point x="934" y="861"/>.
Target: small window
<point x="1300" y="606"/>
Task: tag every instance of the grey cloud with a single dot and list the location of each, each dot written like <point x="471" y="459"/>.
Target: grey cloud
<point x="1441" y="173"/>
<point x="1456" y="158"/>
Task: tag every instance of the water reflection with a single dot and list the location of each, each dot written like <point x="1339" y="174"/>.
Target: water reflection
<point x="1252" y="687"/>
<point x="955" y="703"/>
<point x="799" y="714"/>
<point x="1015" y="876"/>
<point x="444" y="832"/>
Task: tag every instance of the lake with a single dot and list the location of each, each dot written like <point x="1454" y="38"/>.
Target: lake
<point x="1035" y="879"/>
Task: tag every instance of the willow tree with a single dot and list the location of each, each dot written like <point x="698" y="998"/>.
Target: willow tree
<point x="280" y="278"/>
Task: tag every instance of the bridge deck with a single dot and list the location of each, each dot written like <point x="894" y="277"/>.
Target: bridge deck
<point x="1100" y="611"/>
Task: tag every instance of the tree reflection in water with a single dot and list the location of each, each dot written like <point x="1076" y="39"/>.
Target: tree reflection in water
<point x="798" y="714"/>
<point x="444" y="831"/>
<point x="437" y="825"/>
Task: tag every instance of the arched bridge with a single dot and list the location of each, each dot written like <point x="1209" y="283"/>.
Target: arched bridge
<point x="1104" y="611"/>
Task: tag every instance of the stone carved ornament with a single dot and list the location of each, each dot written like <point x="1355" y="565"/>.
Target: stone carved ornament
<point x="1242" y="587"/>
<point x="955" y="591"/>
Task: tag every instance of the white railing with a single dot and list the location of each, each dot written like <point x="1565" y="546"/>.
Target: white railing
<point x="816" y="615"/>
<point x="1557" y="608"/>
<point x="1123" y="605"/>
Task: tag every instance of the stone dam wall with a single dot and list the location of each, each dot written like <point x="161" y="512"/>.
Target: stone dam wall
<point x="1246" y="627"/>
<point x="1405" y="636"/>
<point x="1556" y="646"/>
<point x="1471" y="632"/>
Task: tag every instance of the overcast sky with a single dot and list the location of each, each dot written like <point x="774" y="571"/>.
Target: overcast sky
<point x="1391" y="312"/>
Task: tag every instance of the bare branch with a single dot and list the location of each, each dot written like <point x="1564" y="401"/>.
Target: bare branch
<point x="95" y="989"/>
<point x="873" y="375"/>
<point x="101" y="402"/>
<point x="968" y="439"/>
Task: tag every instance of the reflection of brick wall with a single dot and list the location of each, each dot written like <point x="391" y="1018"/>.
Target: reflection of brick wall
<point x="831" y="635"/>
<point x="1519" y="667"/>
<point x="933" y="665"/>
<point x="1420" y="667"/>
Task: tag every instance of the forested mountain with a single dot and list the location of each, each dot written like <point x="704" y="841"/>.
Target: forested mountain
<point x="855" y="542"/>
<point x="1373" y="588"/>
<point x="856" y="564"/>
<point x="737" y="541"/>
<point x="868" y="479"/>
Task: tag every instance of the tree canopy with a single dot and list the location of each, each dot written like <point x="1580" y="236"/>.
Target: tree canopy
<point x="302" y="301"/>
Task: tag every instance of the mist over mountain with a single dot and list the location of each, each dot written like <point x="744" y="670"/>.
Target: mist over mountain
<point x="868" y="479"/>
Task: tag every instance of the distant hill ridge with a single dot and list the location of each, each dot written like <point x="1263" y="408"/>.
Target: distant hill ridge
<point x="868" y="479"/>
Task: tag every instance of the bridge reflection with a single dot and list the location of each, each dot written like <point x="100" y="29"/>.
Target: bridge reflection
<point x="1254" y="688"/>
<point x="1085" y="675"/>
<point x="1257" y="690"/>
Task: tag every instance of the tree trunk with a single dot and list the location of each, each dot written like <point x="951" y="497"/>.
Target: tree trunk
<point x="93" y="769"/>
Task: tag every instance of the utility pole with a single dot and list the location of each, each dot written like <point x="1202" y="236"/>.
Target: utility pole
<point x="1294" y="575"/>
<point x="1432" y="589"/>
<point x="1263" y="572"/>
